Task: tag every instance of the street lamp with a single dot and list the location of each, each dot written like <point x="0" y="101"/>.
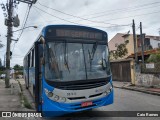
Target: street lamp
<point x="22" y="29"/>
<point x="25" y="28"/>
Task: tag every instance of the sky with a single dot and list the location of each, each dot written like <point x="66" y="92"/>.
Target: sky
<point x="112" y="16"/>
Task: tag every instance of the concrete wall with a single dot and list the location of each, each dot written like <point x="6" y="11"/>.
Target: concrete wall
<point x="154" y="43"/>
<point x="147" y="80"/>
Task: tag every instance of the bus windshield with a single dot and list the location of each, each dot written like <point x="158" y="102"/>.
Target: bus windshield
<point x="75" y="61"/>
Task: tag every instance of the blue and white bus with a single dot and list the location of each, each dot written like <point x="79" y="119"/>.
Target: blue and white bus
<point x="67" y="70"/>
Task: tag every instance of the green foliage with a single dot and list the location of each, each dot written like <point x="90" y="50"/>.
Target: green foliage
<point x="18" y="67"/>
<point x="120" y="52"/>
<point x="2" y="68"/>
<point x="1" y="72"/>
<point x="26" y="103"/>
<point x="155" y="58"/>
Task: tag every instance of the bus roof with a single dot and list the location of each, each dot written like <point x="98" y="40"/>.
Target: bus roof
<point x="70" y="27"/>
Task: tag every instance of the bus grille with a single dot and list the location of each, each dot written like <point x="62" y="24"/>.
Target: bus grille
<point x="78" y="98"/>
<point x="83" y="86"/>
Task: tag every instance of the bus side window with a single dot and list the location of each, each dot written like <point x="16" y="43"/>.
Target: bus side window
<point x="28" y="60"/>
<point x="40" y="54"/>
<point x="34" y="59"/>
<point x="32" y="63"/>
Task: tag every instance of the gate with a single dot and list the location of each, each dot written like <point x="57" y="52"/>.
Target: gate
<point x="121" y="71"/>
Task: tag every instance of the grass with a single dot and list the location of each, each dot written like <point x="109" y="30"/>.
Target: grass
<point x="26" y="103"/>
<point x="24" y="99"/>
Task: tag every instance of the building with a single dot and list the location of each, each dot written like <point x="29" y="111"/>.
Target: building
<point x="150" y="43"/>
<point x="123" y="68"/>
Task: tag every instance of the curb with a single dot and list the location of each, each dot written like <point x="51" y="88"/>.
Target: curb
<point x="20" y="90"/>
<point x="13" y="85"/>
<point x="143" y="91"/>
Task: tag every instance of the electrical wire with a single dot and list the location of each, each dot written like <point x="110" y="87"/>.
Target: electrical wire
<point x="75" y="16"/>
<point x="29" y="8"/>
<point x="132" y="16"/>
<point x="24" y="23"/>
<point x="13" y="47"/>
<point x="125" y="9"/>
<point x="121" y="12"/>
<point x="76" y="22"/>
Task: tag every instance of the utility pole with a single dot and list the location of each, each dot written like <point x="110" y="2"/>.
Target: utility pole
<point x="9" y="22"/>
<point x="135" y="42"/>
<point x="9" y="35"/>
<point x="135" y="52"/>
<point x="142" y="42"/>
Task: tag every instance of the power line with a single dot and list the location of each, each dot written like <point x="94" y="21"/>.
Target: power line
<point x="75" y="16"/>
<point x="24" y="23"/>
<point x="76" y="22"/>
<point x="13" y="47"/>
<point x="127" y="8"/>
<point x="29" y="8"/>
<point x="133" y="16"/>
<point x="120" y="11"/>
<point x="55" y="16"/>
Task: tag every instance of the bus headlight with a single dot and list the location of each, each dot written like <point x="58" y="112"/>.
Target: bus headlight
<point x="109" y="89"/>
<point x="56" y="98"/>
<point x="63" y="99"/>
<point x="50" y="94"/>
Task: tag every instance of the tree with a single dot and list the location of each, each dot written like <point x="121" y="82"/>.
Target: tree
<point x="18" y="67"/>
<point x="120" y="52"/>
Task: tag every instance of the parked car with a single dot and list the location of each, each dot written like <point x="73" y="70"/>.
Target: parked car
<point x="2" y="76"/>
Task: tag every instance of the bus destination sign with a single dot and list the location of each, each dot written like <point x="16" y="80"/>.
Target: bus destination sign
<point x="78" y="34"/>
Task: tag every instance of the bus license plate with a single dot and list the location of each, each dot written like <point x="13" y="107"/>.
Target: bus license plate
<point x="85" y="104"/>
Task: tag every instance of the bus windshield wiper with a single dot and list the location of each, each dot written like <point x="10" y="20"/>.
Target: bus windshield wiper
<point x="104" y="64"/>
<point x="65" y="59"/>
<point x="91" y="54"/>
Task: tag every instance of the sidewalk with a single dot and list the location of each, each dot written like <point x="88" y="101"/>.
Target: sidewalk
<point x="10" y="100"/>
<point x="128" y="86"/>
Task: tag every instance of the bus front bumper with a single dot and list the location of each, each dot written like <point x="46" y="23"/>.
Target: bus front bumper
<point x="51" y="108"/>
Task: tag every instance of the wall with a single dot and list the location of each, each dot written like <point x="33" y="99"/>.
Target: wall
<point x="154" y="43"/>
<point x="117" y="39"/>
<point x="147" y="80"/>
<point x="130" y="45"/>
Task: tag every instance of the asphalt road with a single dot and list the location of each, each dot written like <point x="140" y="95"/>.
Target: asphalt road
<point x="124" y="100"/>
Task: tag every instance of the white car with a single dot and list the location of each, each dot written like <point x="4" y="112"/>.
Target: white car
<point x="2" y="76"/>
